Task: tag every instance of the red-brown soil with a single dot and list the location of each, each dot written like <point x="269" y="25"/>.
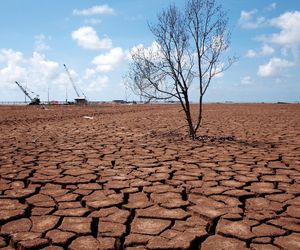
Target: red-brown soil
<point x="130" y="178"/>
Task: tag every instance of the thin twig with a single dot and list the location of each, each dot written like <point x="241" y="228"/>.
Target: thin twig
<point x="172" y="131"/>
<point x="35" y="140"/>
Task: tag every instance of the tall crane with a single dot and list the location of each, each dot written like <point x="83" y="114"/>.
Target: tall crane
<point x="79" y="99"/>
<point x="33" y="100"/>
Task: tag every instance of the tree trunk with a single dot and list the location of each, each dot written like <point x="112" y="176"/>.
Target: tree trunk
<point x="192" y="132"/>
<point x="198" y="124"/>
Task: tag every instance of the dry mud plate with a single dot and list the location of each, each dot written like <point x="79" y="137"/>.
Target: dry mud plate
<point x="130" y="179"/>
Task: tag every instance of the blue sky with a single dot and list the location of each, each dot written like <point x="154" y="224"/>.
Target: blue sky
<point x="94" y="39"/>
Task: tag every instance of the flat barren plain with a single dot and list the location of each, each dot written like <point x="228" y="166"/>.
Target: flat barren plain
<point x="128" y="177"/>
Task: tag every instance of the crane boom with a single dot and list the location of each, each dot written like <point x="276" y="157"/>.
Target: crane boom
<point x="72" y="81"/>
<point x="24" y="91"/>
<point x="33" y="101"/>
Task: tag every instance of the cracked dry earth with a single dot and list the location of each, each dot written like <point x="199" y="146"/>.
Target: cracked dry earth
<point x="127" y="179"/>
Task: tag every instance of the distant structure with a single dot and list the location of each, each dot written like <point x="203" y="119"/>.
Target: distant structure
<point x="123" y="102"/>
<point x="119" y="101"/>
<point x="33" y="100"/>
<point x="80" y="99"/>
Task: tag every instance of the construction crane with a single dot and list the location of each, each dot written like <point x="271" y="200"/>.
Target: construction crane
<point x="80" y="99"/>
<point x="33" y="100"/>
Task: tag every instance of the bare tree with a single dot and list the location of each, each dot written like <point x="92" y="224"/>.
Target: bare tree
<point x="187" y="50"/>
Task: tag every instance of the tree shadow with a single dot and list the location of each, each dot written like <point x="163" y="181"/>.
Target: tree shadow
<point x="212" y="140"/>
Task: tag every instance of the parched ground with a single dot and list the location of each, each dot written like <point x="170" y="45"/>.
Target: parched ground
<point x="130" y="179"/>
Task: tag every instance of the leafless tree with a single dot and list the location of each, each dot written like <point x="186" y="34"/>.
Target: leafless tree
<point x="188" y="49"/>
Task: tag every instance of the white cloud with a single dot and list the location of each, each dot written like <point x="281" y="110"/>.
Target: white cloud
<point x="10" y="56"/>
<point x="38" y="73"/>
<point x="251" y="53"/>
<point x="219" y="75"/>
<point x="94" y="82"/>
<point x="89" y="73"/>
<point x="289" y="25"/>
<point x="40" y="43"/>
<point x="274" y="67"/>
<point x="109" y="61"/>
<point x="246" y="80"/>
<point x="97" y="84"/>
<point x="153" y="51"/>
<point x="86" y="37"/>
<point x="94" y="10"/>
<point x="41" y="70"/>
<point x="10" y="74"/>
<point x="271" y="6"/>
<point x="218" y="70"/>
<point x="266" y="50"/>
<point x="249" y="21"/>
<point x="92" y="21"/>
<point x="35" y="71"/>
<point x="62" y="83"/>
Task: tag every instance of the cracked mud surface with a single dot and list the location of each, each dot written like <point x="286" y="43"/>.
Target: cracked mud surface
<point x="130" y="179"/>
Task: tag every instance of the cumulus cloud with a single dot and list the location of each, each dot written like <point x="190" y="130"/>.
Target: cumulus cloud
<point x="271" y="6"/>
<point x="154" y="47"/>
<point x="89" y="73"/>
<point x="62" y="84"/>
<point x="10" y="74"/>
<point x="109" y="61"/>
<point x="39" y="73"/>
<point x="289" y="25"/>
<point x="10" y="69"/>
<point x="153" y="51"/>
<point x="43" y="70"/>
<point x="246" y="80"/>
<point x="248" y="20"/>
<point x="94" y="10"/>
<point x="86" y="37"/>
<point x="251" y="53"/>
<point x="92" y="21"/>
<point x="35" y="71"/>
<point x="265" y="50"/>
<point x="274" y="67"/>
<point x="40" y="43"/>
<point x="97" y="83"/>
<point x="10" y="56"/>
